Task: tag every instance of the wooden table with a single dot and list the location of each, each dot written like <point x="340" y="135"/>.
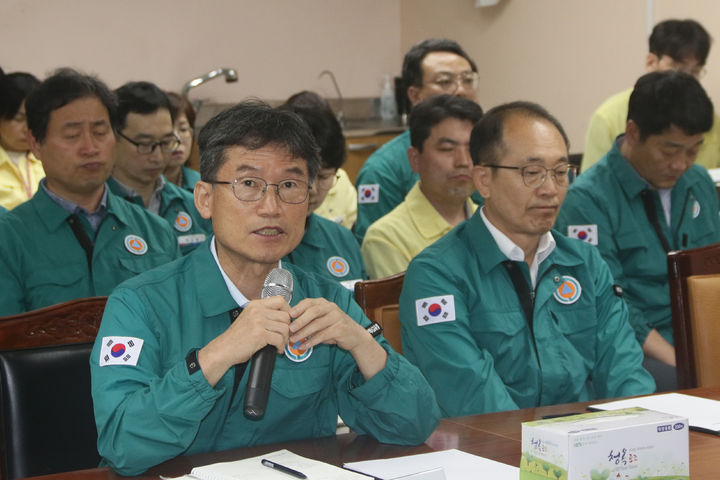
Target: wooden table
<point x="494" y="435"/>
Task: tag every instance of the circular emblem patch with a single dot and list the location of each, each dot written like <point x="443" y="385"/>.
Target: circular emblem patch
<point x="183" y="222"/>
<point x="296" y="352"/>
<point x="568" y="291"/>
<point x="136" y="245"/>
<point x="338" y="266"/>
<point x="696" y="209"/>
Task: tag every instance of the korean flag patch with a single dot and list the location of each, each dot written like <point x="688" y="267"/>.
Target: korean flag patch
<point x="586" y="233"/>
<point x="120" y="351"/>
<point x="369" y="193"/>
<point x="435" y="310"/>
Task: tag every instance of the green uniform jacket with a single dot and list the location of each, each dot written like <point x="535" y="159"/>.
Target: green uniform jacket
<point x="607" y="198"/>
<point x="485" y="360"/>
<point x="329" y="250"/>
<point x="190" y="178"/>
<point x="155" y="411"/>
<point x="383" y="182"/>
<point x="42" y="262"/>
<point x="177" y="207"/>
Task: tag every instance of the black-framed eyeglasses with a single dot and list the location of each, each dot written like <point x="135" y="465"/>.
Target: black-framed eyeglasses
<point x="252" y="189"/>
<point x="167" y="145"/>
<point x="535" y="175"/>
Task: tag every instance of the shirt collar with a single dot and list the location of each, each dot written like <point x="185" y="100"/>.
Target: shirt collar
<point x="510" y="249"/>
<point x="155" y="199"/>
<point x="235" y="292"/>
<point x="72" y="207"/>
<point x="428" y="222"/>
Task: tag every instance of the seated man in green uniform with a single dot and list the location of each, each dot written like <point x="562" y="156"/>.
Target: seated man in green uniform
<point x="168" y="367"/>
<point x="432" y="67"/>
<point x="326" y="248"/>
<point x="503" y="313"/>
<point x="681" y="45"/>
<point x="146" y="139"/>
<point x="440" y="133"/>
<point x="647" y="197"/>
<point x="74" y="238"/>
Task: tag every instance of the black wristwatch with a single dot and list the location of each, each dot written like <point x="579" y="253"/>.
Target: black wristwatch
<point x="374" y="329"/>
<point x="192" y="362"/>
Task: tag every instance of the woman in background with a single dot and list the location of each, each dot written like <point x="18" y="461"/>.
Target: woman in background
<point x="176" y="171"/>
<point x="327" y="248"/>
<point x="20" y="171"/>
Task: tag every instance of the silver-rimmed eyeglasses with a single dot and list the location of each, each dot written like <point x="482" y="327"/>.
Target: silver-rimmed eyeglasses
<point x="450" y="82"/>
<point x="167" y="145"/>
<point x="252" y="189"/>
<point x="535" y="175"/>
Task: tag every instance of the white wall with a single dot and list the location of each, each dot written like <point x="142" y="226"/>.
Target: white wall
<point x="278" y="46"/>
<point x="568" y="55"/>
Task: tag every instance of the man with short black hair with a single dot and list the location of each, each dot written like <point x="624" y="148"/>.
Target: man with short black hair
<point x="146" y="140"/>
<point x="440" y="136"/>
<point x="188" y="330"/>
<point x="678" y="45"/>
<point x="435" y="66"/>
<point x="647" y="197"/>
<point x="501" y="313"/>
<point x="74" y="238"/>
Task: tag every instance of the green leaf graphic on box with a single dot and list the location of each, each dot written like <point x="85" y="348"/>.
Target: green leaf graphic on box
<point x="595" y="475"/>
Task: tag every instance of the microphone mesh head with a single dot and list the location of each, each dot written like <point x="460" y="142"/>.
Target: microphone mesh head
<point x="278" y="282"/>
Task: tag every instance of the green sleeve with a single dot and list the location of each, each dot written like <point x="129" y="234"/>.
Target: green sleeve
<point x="396" y="405"/>
<point x="148" y="413"/>
<point x="11" y="299"/>
<point x="462" y="374"/>
<point x="580" y="208"/>
<point x="390" y="195"/>
<point x="618" y="370"/>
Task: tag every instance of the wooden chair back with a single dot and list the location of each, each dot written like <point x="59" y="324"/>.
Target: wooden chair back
<point x="47" y="423"/>
<point x="694" y="278"/>
<point x="74" y="321"/>
<point x="379" y="300"/>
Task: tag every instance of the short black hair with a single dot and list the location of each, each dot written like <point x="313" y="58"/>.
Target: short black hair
<point x="14" y="89"/>
<point x="486" y="139"/>
<point x="428" y="113"/>
<point x="680" y="40"/>
<point x="61" y="88"/>
<point x="142" y="98"/>
<point x="662" y="99"/>
<point x="253" y="124"/>
<point x="180" y="105"/>
<point x="412" y="63"/>
<point x="326" y="129"/>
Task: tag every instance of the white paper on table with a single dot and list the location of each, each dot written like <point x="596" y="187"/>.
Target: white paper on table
<point x="252" y="469"/>
<point x="457" y="465"/>
<point x="702" y="413"/>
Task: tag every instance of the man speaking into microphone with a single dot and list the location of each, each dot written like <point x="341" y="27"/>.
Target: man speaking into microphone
<point x="177" y="344"/>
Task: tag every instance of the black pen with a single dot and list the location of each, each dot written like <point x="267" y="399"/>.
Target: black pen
<point x="282" y="468"/>
<point x="558" y="415"/>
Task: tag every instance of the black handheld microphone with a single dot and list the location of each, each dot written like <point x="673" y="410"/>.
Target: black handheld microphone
<point x="278" y="282"/>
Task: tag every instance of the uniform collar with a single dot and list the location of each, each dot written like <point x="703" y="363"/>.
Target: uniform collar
<point x="129" y="193"/>
<point x="212" y="292"/>
<point x="313" y="236"/>
<point x="426" y="219"/>
<point x="54" y="216"/>
<point x="629" y="179"/>
<point x="488" y="253"/>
